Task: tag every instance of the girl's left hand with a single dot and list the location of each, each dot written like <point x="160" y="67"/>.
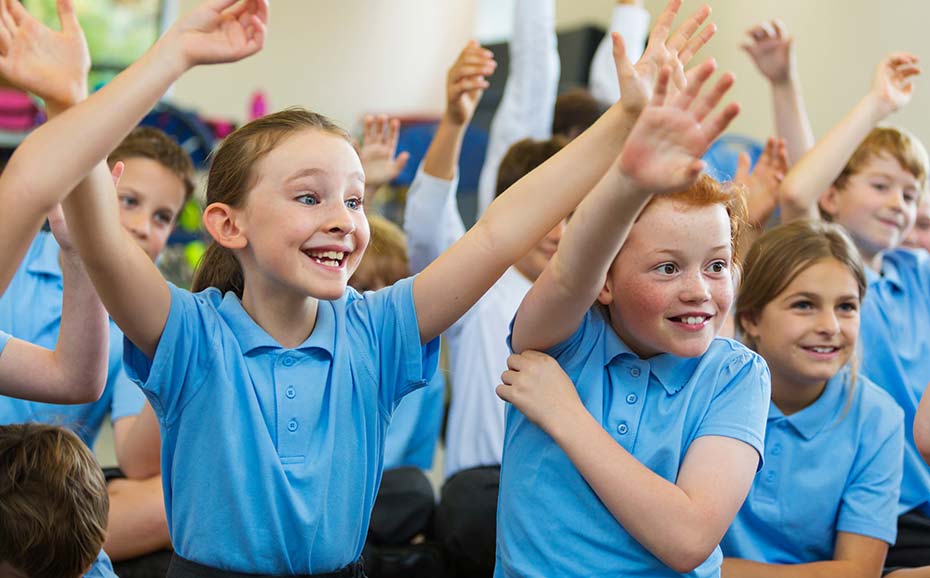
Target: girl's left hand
<point x="537" y="386"/>
<point x="222" y="31"/>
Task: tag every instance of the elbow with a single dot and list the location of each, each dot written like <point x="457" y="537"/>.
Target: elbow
<point x="138" y="469"/>
<point x="792" y="201"/>
<point x="688" y="554"/>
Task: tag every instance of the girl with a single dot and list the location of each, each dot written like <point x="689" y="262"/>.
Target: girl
<point x="825" y="504"/>
<point x="274" y="348"/>
<point x="643" y="444"/>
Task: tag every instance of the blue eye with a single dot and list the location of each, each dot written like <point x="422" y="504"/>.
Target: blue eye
<point x="128" y="201"/>
<point x="355" y="204"/>
<point x="308" y="200"/>
<point x="803" y="305"/>
<point x="879" y="186"/>
<point x="849" y="307"/>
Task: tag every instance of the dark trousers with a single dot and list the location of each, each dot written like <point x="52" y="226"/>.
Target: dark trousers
<point x="181" y="568"/>
<point x="466" y="521"/>
<point x="912" y="548"/>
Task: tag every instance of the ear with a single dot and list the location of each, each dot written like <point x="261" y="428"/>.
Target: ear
<point x="222" y="222"/>
<point x="830" y="201"/>
<point x="749" y="325"/>
<point x="606" y="296"/>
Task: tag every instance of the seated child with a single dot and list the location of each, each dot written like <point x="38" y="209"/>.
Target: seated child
<point x="827" y="498"/>
<point x="919" y="237"/>
<point x="53" y="505"/>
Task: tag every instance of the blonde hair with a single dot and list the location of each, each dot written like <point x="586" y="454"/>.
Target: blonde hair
<point x="53" y="502"/>
<point x="232" y="175"/>
<point x="385" y="261"/>
<point x="895" y="142"/>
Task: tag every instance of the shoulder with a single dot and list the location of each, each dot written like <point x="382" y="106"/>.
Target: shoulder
<point x="731" y="355"/>
<point x="878" y="409"/>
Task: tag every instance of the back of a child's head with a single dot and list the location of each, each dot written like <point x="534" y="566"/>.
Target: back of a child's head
<point x="151" y="143"/>
<point x="524" y="156"/>
<point x="53" y="502"/>
<point x="385" y="261"/>
<point x="232" y="174"/>
<point x="784" y="252"/>
<point x="575" y="111"/>
<point x="894" y="142"/>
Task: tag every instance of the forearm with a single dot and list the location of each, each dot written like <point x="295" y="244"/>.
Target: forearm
<point x="816" y="171"/>
<point x="442" y="157"/>
<point x="738" y="568"/>
<point x="138" y="450"/>
<point x="922" y="426"/>
<point x="791" y="121"/>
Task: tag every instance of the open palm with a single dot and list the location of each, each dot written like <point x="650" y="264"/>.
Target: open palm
<point x="893" y="80"/>
<point x="223" y="31"/>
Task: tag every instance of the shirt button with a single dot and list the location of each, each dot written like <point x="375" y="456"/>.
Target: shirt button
<point x="634" y="372"/>
<point x="631" y="399"/>
<point x="776" y="450"/>
<point x="622" y="429"/>
<point x="783" y="424"/>
<point x="288" y="361"/>
<point x="770" y="477"/>
<point x="290" y="392"/>
<point x="292" y="425"/>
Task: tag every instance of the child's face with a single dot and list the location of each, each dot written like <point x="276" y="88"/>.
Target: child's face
<point x="877" y="205"/>
<point x="919" y="237"/>
<point x="809" y="331"/>
<point x="304" y="219"/>
<point x="150" y="199"/>
<point x="532" y="264"/>
<point x="671" y="285"/>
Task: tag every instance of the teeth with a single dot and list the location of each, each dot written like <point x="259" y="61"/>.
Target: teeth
<point x="823" y="349"/>
<point x="332" y="255"/>
<point x="693" y="320"/>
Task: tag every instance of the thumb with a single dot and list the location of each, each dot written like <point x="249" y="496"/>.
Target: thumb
<point x="742" y="167"/>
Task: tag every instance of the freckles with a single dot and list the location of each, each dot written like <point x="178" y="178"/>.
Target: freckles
<point x="641" y="301"/>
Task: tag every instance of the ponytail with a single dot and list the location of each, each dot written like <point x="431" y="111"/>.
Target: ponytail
<point x="218" y="268"/>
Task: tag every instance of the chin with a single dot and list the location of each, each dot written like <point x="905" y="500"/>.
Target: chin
<point x="690" y="348"/>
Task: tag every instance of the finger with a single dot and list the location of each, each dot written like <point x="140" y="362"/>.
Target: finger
<point x="696" y="78"/>
<point x="697" y="43"/>
<point x="768" y="155"/>
<point x="769" y="29"/>
<point x="781" y="156"/>
<point x="756" y="33"/>
<point x="688" y="28"/>
<point x="664" y="23"/>
<point x="509" y="376"/>
<point x="470" y="84"/>
<point x="258" y="31"/>
<point x="781" y="32"/>
<point x="504" y="392"/>
<point x="222" y="5"/>
<point x="621" y="59"/>
<point x="7" y="18"/>
<point x="401" y="161"/>
<point x="660" y="92"/>
<point x="66" y="15"/>
<point x="117" y="173"/>
<point x="461" y="72"/>
<point x="720" y="123"/>
<point x="393" y="134"/>
<point x="742" y="166"/>
<point x="383" y="127"/>
<point x="709" y="101"/>
<point x="18" y="11"/>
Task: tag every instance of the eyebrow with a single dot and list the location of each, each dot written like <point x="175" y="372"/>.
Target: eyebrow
<point x="675" y="253"/>
<point x="316" y="172"/>
<point x="815" y="297"/>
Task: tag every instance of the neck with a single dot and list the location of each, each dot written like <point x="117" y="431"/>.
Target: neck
<point x="288" y="318"/>
<point x="874" y="262"/>
<point x="790" y="397"/>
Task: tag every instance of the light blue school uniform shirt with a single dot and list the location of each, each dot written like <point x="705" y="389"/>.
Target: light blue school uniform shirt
<point x="4" y="338"/>
<point x="271" y="457"/>
<point x="549" y="520"/>
<point x="414" y="432"/>
<point x="30" y="310"/>
<point x="895" y="339"/>
<point x="835" y="466"/>
<point x="102" y="568"/>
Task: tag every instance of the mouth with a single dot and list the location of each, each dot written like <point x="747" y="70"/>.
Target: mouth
<point x="691" y="321"/>
<point x="822" y="352"/>
<point x="327" y="258"/>
<point x="890" y="223"/>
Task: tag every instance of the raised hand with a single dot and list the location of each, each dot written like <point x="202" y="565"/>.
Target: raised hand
<point x="537" y="386"/>
<point x="770" y="48"/>
<point x="466" y="81"/>
<point x="892" y="84"/>
<point x="50" y="64"/>
<point x="379" y="151"/>
<point x="663" y="151"/>
<point x="763" y="182"/>
<point x="664" y="50"/>
<point x="221" y="31"/>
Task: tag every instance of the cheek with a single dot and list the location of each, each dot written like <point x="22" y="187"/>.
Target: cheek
<point x="641" y="301"/>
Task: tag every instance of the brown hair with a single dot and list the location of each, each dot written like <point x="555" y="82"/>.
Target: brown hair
<point x="524" y="156"/>
<point x="895" y="142"/>
<point x="53" y="502"/>
<point x="232" y="175"/>
<point x="151" y="143"/>
<point x="385" y="261"/>
<point x="575" y="110"/>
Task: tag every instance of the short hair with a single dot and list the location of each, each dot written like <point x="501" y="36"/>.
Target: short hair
<point x="385" y="261"/>
<point x="895" y="142"/>
<point x="151" y="143"/>
<point x="524" y="156"/>
<point x="53" y="502"/>
<point x="575" y="110"/>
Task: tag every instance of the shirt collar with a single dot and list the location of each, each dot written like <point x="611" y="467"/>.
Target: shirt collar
<point x="251" y="336"/>
<point x="814" y="418"/>
<point x="889" y="273"/>
<point x="45" y="261"/>
<point x="671" y="371"/>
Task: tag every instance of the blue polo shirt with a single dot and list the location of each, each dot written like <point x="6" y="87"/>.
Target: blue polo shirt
<point x="834" y="466"/>
<point x="549" y="520"/>
<point x="415" y="427"/>
<point x="31" y="310"/>
<point x="271" y="457"/>
<point x="4" y="338"/>
<point x="101" y="568"/>
<point x="895" y="338"/>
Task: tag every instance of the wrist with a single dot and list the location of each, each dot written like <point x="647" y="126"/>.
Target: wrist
<point x="169" y="52"/>
<point x="875" y="107"/>
<point x="54" y="107"/>
<point x="454" y="120"/>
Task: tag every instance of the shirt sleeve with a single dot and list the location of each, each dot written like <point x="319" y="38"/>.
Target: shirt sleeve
<point x="4" y="339"/>
<point x="632" y="22"/>
<point x="184" y="358"/>
<point x="128" y="399"/>
<point x="101" y="568"/>
<point x="383" y="326"/>
<point x="870" y="501"/>
<point x="582" y="344"/>
<point x="740" y="404"/>
<point x="526" y="108"/>
<point x="432" y="222"/>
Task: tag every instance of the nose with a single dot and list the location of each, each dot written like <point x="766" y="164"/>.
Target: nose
<point x="827" y="323"/>
<point x="340" y="220"/>
<point x="896" y="200"/>
<point x="137" y="224"/>
<point x="695" y="288"/>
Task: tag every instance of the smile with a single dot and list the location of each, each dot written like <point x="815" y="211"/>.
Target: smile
<point x="334" y="259"/>
<point x="691" y="322"/>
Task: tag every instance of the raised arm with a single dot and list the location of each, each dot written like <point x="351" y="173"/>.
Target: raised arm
<point x="522" y="215"/>
<point x="763" y="180"/>
<point x="432" y="222"/>
<point x="378" y="153"/>
<point x="772" y="51"/>
<point x="815" y="172"/>
<point x="526" y="107"/>
<point x="631" y="21"/>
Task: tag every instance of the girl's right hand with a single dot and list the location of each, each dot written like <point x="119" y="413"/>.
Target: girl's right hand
<point x="892" y="84"/>
<point x="221" y="31"/>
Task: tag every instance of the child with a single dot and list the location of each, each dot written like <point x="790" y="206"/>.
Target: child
<point x="53" y="505"/>
<point x="641" y="468"/>
<point x="919" y="237"/>
<point x="827" y="498"/>
<point x="870" y="181"/>
<point x="308" y="371"/>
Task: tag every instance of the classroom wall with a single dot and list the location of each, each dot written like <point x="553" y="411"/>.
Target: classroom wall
<point x="349" y="57"/>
